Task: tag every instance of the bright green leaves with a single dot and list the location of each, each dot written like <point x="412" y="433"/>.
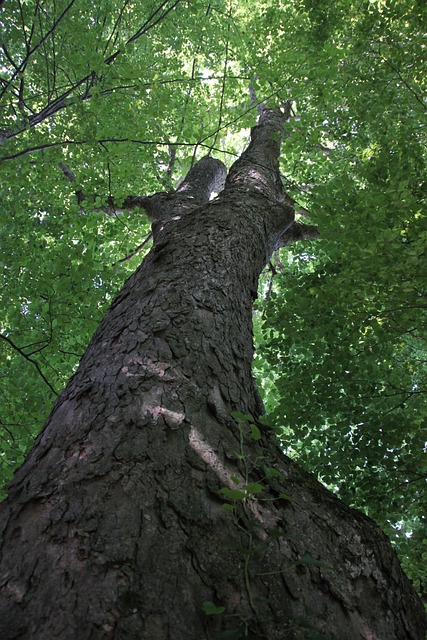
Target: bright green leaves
<point x="343" y="330"/>
<point x="57" y="277"/>
<point x="123" y="124"/>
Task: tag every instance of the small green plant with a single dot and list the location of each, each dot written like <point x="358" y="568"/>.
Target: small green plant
<point x="241" y="497"/>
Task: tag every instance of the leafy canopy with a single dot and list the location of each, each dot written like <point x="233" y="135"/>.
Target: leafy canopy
<point x="127" y="96"/>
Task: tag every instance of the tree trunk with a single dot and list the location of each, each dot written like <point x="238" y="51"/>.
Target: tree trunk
<point x="145" y="510"/>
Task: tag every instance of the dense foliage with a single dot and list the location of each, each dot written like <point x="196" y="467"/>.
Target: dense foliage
<point x="115" y="98"/>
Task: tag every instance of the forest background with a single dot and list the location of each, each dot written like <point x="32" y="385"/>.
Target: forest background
<point x="113" y="98"/>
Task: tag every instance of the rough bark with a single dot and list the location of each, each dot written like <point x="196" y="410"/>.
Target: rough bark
<point x="117" y="525"/>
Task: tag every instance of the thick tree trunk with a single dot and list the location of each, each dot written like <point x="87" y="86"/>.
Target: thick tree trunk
<point x="131" y="514"/>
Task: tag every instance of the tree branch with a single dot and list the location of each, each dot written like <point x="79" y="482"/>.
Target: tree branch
<point x="135" y="251"/>
<point x="296" y="232"/>
<point x="53" y="107"/>
<point x="65" y="143"/>
<point x="24" y="63"/>
<point x="206" y="177"/>
<point x="24" y="355"/>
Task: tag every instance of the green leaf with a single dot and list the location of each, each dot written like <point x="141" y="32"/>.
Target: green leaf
<point x="233" y="494"/>
<point x="211" y="610"/>
<point x="254" y="487"/>
<point x="270" y="472"/>
<point x="285" y="496"/>
<point x="242" y="417"/>
<point x="229" y="507"/>
<point x="255" y="432"/>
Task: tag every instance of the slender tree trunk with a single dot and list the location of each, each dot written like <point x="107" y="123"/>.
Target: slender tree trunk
<point x="145" y="510"/>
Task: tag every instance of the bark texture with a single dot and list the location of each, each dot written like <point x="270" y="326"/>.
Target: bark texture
<point x="118" y="526"/>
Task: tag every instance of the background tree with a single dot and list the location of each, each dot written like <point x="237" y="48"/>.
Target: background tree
<point x="155" y="90"/>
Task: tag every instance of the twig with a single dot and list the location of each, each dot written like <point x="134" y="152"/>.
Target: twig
<point x="24" y="355"/>
<point x="136" y="251"/>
